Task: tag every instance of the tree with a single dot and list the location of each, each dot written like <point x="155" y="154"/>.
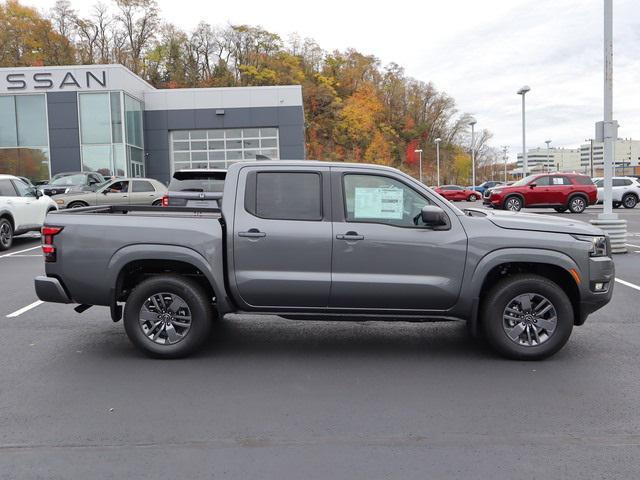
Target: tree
<point x="139" y="21"/>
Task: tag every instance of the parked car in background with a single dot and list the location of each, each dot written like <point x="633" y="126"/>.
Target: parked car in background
<point x="486" y="185"/>
<point x="22" y="209"/>
<point x="119" y="191"/>
<point x="456" y="193"/>
<point x="560" y="191"/>
<point x="64" y="182"/>
<point x="27" y="181"/>
<point x="195" y="188"/>
<point x="625" y="190"/>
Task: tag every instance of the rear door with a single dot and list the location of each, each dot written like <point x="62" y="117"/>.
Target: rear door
<point x="558" y="190"/>
<point x="282" y="237"/>
<point x="384" y="258"/>
<point x="142" y="192"/>
<point x="116" y="193"/>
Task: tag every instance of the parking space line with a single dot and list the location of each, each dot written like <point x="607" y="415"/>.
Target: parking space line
<point x="19" y="251"/>
<point x="632" y="245"/>
<point x="628" y="284"/>
<point x="27" y="255"/>
<point x="34" y="305"/>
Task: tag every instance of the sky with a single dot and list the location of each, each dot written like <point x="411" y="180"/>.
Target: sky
<point x="478" y="52"/>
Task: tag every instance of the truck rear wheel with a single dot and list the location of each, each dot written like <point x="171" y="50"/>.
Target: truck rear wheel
<point x="527" y="317"/>
<point x="168" y="316"/>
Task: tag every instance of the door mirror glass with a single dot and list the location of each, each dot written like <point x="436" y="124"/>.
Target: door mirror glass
<point x="433" y="216"/>
<point x="532" y="184"/>
<point x="35" y="192"/>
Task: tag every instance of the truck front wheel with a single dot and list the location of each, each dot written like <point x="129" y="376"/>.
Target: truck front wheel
<point x="168" y="316"/>
<point x="527" y="317"/>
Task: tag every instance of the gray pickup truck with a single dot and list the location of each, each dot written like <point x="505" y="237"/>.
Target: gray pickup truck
<point x="317" y="240"/>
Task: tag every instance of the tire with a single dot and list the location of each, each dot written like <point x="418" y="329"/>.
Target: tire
<point x="77" y="205"/>
<point x="629" y="201"/>
<point x="157" y="203"/>
<point x="616" y="204"/>
<point x="577" y="204"/>
<point x="560" y="209"/>
<point x="502" y="300"/>
<point x="6" y="234"/>
<point x="172" y="338"/>
<point x="513" y="203"/>
<point x="472" y="198"/>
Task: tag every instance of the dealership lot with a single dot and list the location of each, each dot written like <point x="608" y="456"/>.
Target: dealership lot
<point x="325" y="400"/>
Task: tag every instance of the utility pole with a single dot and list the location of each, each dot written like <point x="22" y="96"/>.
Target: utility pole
<point x="473" y="154"/>
<point x="525" y="167"/>
<point x="419" y="151"/>
<point x="438" y="140"/>
<point x="547" y="142"/>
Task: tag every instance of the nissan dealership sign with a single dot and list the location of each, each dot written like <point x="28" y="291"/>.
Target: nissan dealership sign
<point x="34" y="80"/>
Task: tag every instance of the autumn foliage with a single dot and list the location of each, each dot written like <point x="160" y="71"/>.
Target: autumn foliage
<point x="356" y="109"/>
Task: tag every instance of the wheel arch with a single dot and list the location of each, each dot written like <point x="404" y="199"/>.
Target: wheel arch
<point x="550" y="264"/>
<point x="7" y="214"/>
<point x="130" y="265"/>
<point x="577" y="194"/>
<point x="514" y="194"/>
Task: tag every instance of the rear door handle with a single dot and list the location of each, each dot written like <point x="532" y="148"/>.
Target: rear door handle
<point x="252" y="233"/>
<point x="350" y="236"/>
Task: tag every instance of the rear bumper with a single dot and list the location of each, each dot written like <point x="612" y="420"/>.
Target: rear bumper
<point x="49" y="289"/>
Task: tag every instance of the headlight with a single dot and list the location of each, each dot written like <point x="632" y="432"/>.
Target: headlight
<point x="60" y="201"/>
<point x="599" y="244"/>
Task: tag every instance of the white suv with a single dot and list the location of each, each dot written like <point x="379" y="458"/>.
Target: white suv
<point x="22" y="209"/>
<point x="626" y="191"/>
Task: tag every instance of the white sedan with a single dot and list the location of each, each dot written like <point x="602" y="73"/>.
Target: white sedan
<point x="22" y="209"/>
<point x="626" y="191"/>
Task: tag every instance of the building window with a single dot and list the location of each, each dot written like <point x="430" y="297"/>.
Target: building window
<point x="220" y="148"/>
<point x="24" y="138"/>
<point x="111" y="142"/>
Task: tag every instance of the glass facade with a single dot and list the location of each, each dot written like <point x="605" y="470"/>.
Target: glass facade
<point x="220" y="148"/>
<point x="106" y="135"/>
<point x="24" y="139"/>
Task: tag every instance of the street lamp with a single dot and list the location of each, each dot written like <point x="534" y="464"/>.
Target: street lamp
<point x="472" y="122"/>
<point x="437" y="141"/>
<point x="419" y="150"/>
<point x="522" y="92"/>
<point x="547" y="142"/>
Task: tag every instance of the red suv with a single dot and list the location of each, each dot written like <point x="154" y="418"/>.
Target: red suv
<point x="560" y="191"/>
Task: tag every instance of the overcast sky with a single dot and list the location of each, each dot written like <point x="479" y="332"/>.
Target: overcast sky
<point x="479" y="52"/>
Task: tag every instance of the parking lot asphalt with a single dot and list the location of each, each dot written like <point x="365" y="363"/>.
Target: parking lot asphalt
<point x="274" y="398"/>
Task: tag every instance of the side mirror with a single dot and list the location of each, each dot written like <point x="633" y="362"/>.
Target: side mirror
<point x="37" y="193"/>
<point x="531" y="185"/>
<point x="433" y="216"/>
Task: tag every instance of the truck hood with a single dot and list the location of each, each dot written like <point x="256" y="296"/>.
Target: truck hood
<point x="540" y="223"/>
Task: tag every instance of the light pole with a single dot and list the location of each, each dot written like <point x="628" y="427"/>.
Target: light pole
<point x="525" y="167"/>
<point x="472" y="122"/>
<point x="419" y="150"/>
<point x="437" y="141"/>
<point x="504" y="157"/>
<point x="590" y="140"/>
<point x="547" y="142"/>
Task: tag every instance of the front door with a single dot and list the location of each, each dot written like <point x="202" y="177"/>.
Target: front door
<point x="538" y="195"/>
<point x="116" y="193"/>
<point x="384" y="258"/>
<point x="282" y="237"/>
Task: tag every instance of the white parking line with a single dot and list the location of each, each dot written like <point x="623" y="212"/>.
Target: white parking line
<point x="27" y="255"/>
<point x="628" y="284"/>
<point x="632" y="245"/>
<point x="19" y="251"/>
<point x="29" y="307"/>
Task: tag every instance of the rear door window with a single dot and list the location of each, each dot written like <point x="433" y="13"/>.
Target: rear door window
<point x="142" y="186"/>
<point x="285" y="195"/>
<point x="6" y="189"/>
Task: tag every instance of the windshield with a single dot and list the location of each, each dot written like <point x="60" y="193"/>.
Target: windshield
<point x="524" y="181"/>
<point x="76" y="179"/>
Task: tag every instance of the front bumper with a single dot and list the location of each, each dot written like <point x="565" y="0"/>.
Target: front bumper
<point x="49" y="289"/>
<point x="601" y="270"/>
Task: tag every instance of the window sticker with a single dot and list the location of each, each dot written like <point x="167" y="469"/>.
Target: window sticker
<point x="557" y="181"/>
<point x="385" y="203"/>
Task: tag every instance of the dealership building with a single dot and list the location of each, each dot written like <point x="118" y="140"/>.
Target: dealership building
<point x="104" y="118"/>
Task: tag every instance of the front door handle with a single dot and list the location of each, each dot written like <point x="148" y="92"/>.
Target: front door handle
<point x="252" y="233"/>
<point x="350" y="236"/>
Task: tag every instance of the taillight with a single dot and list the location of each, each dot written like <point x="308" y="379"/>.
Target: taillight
<point x="48" y="249"/>
<point x="165" y="201"/>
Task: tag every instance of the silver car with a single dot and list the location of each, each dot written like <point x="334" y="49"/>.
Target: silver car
<point x="117" y="191"/>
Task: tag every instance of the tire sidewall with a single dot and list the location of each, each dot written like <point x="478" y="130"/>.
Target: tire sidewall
<point x="197" y="301"/>
<point x="4" y="221"/>
<point x="472" y="198"/>
<point x="504" y="292"/>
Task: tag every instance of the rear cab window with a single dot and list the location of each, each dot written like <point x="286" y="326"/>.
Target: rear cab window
<point x="198" y="182"/>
